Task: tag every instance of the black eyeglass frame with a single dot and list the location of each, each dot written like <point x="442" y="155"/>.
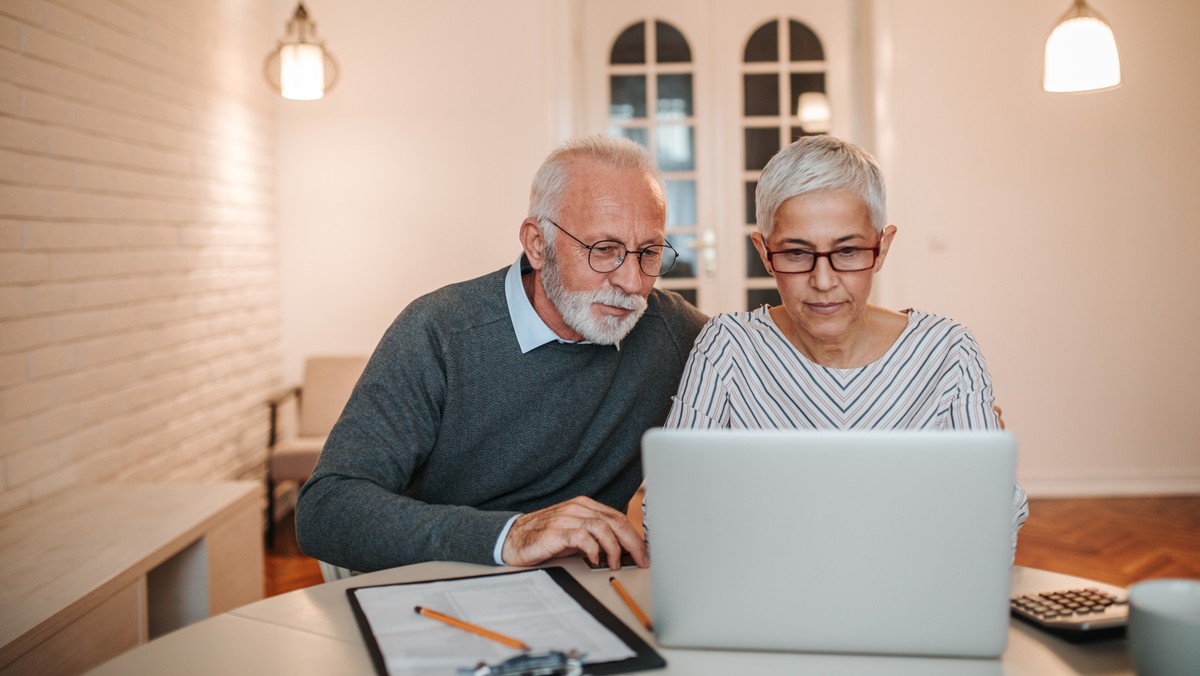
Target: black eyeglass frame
<point x="818" y="255"/>
<point x="663" y="270"/>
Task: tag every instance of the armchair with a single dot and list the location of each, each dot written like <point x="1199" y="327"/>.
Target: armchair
<point x="318" y="402"/>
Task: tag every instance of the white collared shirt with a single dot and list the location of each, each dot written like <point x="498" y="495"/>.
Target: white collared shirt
<point x="531" y="331"/>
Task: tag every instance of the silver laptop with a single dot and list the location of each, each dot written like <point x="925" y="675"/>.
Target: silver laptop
<point x="851" y="542"/>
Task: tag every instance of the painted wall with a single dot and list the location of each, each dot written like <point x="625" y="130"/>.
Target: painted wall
<point x="139" y="322"/>
<point x="1062" y="229"/>
<point x="415" y="171"/>
<point x="142" y="273"/>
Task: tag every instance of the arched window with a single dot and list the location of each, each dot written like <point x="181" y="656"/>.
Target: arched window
<point x="651" y="102"/>
<point x="783" y="63"/>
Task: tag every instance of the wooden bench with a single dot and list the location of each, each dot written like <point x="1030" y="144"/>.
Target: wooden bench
<point x="91" y="573"/>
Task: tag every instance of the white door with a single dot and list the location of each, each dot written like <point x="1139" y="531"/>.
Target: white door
<point x="712" y="88"/>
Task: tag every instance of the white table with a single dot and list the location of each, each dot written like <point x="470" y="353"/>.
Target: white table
<point x="313" y="631"/>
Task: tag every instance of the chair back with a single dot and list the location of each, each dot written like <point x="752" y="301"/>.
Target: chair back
<point x="328" y="382"/>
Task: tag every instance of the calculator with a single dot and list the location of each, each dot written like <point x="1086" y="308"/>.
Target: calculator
<point x="1074" y="613"/>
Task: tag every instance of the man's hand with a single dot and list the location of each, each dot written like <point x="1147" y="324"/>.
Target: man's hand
<point x="577" y="525"/>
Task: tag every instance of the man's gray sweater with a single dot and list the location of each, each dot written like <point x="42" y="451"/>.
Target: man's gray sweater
<point x="451" y="430"/>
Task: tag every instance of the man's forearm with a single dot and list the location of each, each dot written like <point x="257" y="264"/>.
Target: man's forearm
<point x="359" y="525"/>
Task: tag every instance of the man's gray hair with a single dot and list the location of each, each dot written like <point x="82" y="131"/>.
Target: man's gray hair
<point x="815" y="164"/>
<point x="550" y="182"/>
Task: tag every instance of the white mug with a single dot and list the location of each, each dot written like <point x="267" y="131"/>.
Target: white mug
<point x="1164" y="627"/>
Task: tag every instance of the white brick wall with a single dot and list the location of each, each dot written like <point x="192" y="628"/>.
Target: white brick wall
<point x="139" y="303"/>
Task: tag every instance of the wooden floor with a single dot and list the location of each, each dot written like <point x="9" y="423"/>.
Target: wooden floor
<point x="285" y="568"/>
<point x="1115" y="540"/>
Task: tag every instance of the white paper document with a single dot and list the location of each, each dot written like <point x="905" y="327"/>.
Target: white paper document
<point x="529" y="606"/>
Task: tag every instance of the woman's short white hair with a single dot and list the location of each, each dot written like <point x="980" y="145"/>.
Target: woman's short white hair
<point x="550" y="182"/>
<point x="816" y="164"/>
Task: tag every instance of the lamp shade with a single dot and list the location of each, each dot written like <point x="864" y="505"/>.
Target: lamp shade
<point x="1081" y="53"/>
<point x="300" y="67"/>
<point x="302" y="72"/>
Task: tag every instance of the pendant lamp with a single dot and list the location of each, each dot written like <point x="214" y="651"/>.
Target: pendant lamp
<point x="300" y="68"/>
<point x="1081" y="53"/>
<point x="814" y="112"/>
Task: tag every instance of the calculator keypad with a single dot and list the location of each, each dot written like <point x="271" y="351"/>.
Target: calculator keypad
<point x="1080" y="609"/>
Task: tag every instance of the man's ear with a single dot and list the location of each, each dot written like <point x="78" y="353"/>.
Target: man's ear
<point x="533" y="242"/>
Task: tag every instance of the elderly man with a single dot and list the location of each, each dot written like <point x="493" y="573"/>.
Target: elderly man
<point x="499" y="419"/>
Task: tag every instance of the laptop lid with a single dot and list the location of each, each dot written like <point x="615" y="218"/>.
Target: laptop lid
<point x="894" y="542"/>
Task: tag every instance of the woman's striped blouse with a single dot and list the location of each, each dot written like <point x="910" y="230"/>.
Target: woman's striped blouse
<point x="744" y="373"/>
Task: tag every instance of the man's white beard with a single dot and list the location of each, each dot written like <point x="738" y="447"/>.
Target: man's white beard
<point x="576" y="306"/>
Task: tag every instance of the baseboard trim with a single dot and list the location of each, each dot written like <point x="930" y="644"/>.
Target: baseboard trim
<point x="1123" y="486"/>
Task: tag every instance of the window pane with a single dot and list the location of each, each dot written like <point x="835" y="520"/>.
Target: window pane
<point x="675" y="96"/>
<point x="805" y="82"/>
<point x="675" y="143"/>
<point x="681" y="203"/>
<point x="685" y="266"/>
<point x="672" y="46"/>
<point x="756" y="298"/>
<point x="751" y="186"/>
<point x="754" y="264"/>
<point x="805" y="44"/>
<point x="630" y="46"/>
<point x="764" y="44"/>
<point x="688" y="294"/>
<point x="760" y="94"/>
<point x="761" y="146"/>
<point x="628" y="97"/>
<point x="639" y="136"/>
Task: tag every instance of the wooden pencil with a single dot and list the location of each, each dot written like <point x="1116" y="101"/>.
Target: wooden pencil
<point x="630" y="602"/>
<point x="473" y="628"/>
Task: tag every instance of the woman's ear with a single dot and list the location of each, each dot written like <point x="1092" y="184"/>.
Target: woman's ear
<point x="533" y="242"/>
<point x="756" y="236"/>
<point x="885" y="243"/>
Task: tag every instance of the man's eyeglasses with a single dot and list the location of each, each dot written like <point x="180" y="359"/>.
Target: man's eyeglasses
<point x="607" y="255"/>
<point x="842" y="259"/>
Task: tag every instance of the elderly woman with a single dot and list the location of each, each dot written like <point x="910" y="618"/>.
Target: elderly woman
<point x="826" y="358"/>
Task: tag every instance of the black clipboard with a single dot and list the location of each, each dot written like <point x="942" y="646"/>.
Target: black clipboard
<point x="645" y="657"/>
